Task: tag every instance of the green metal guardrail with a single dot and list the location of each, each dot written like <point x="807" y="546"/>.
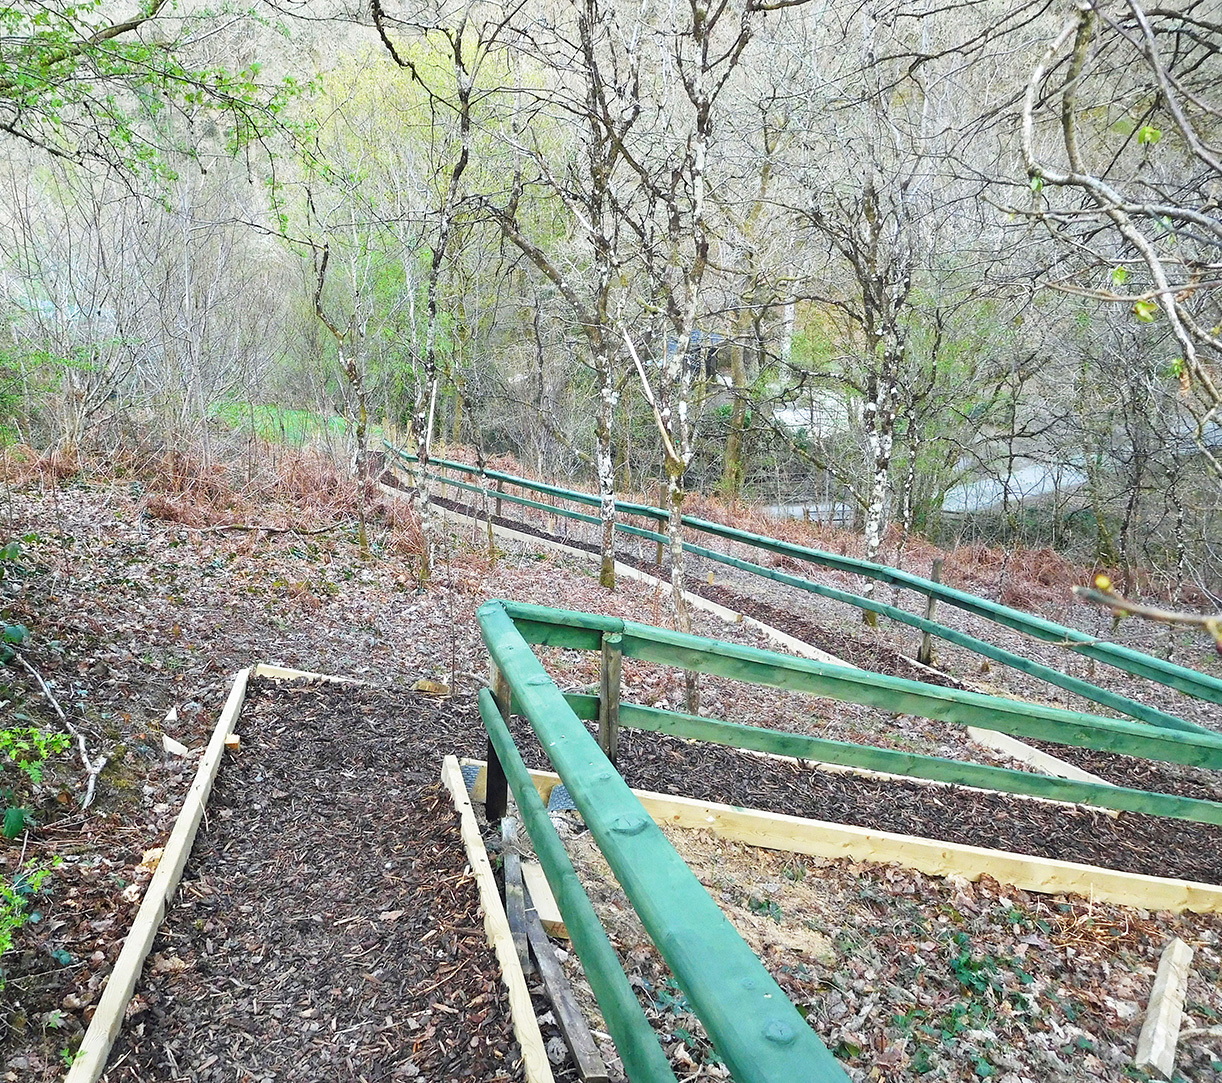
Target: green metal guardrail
<point x="754" y="1027"/>
<point x="1186" y="680"/>
<point x="908" y="764"/>
<point x="1085" y="689"/>
<point x="643" y="1058"/>
<point x="584" y="631"/>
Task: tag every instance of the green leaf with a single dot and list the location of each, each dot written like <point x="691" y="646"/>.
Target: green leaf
<point x="61" y="957"/>
<point x="1146" y="311"/>
<point x="1148" y="135"/>
<point x="14" y="822"/>
<point x="1037" y="184"/>
<point x="1119" y="276"/>
<point x="15" y="634"/>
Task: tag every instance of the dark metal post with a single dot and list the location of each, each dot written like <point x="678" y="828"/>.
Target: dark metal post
<point x="496" y="788"/>
<point x="662" y="506"/>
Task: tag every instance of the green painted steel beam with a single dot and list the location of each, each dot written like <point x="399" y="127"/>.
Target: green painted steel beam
<point x="1085" y="689"/>
<point x="929" y="701"/>
<point x="895" y="694"/>
<point x="643" y="1058"/>
<point x="509" y="498"/>
<point x="548" y="627"/>
<point x="628" y="508"/>
<point x="754" y="1027"/>
<point x="909" y="764"/>
<point x="567" y="513"/>
<point x="1189" y="681"/>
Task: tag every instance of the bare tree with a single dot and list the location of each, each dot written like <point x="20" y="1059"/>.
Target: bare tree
<point x="596" y="68"/>
<point x="1120" y="137"/>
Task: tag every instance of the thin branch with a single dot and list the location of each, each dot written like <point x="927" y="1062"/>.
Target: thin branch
<point x="1121" y="606"/>
<point x="266" y="529"/>
<point x="92" y="767"/>
<point x="647" y="389"/>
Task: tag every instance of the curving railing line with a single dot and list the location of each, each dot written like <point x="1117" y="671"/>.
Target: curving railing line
<point x="1188" y="681"/>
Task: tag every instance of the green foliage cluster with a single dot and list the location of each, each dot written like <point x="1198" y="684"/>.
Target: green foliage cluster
<point x="671" y="1004"/>
<point x="985" y="981"/>
<point x="82" y="83"/>
<point x="11" y="567"/>
<point x="16" y="898"/>
<point x="278" y="424"/>
<point x="24" y="746"/>
<point x="36" y="372"/>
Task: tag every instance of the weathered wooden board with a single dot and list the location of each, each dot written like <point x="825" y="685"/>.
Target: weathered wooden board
<point x="545" y="903"/>
<point x="818" y="838"/>
<point x="1161" y="1030"/>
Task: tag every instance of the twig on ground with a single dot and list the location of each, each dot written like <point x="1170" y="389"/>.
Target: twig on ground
<point x="93" y="768"/>
<point x="1201" y="1032"/>
<point x="267" y="529"/>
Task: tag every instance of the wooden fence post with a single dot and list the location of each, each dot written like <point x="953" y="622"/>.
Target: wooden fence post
<point x="608" y="695"/>
<point x="500" y="488"/>
<point x="925" y="655"/>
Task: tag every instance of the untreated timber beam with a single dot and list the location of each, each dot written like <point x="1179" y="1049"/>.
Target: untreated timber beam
<point x="1161" y="1030"/>
<point x="496" y="926"/>
<point x="90" y="1059"/>
<point x="819" y="838"/>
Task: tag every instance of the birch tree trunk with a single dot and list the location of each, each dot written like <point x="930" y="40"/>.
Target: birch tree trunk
<point x="607" y="399"/>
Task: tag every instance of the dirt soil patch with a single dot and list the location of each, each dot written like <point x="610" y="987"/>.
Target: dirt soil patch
<point x="139" y="618"/>
<point x="327" y="926"/>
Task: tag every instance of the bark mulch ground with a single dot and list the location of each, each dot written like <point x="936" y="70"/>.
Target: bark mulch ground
<point x="1152" y="845"/>
<point x="327" y="926"/>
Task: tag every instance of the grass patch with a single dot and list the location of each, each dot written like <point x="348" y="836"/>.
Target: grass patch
<point x="289" y="425"/>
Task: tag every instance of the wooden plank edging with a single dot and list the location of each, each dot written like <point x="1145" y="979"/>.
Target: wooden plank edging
<point x="90" y="1060"/>
<point x="281" y="673"/>
<point x="1041" y="761"/>
<point x="820" y="838"/>
<point x="525" y="1026"/>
